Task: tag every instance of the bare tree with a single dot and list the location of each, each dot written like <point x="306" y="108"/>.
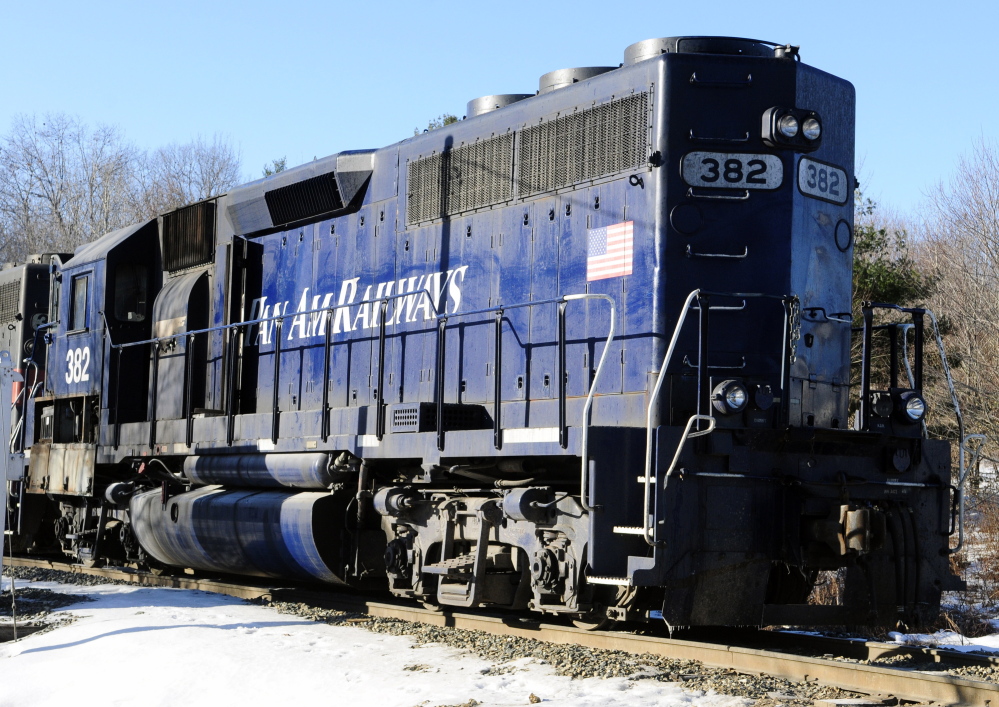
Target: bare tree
<point x="961" y="244"/>
<point x="176" y="175"/>
<point x="63" y="184"/>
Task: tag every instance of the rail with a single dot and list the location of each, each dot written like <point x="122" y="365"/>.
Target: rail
<point x="231" y="331"/>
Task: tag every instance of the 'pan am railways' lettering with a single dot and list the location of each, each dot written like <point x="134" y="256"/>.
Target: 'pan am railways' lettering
<point x="423" y="304"/>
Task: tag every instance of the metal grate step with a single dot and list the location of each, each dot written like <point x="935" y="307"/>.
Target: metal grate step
<point x="614" y="581"/>
<point x="629" y="530"/>
<point x="452" y="566"/>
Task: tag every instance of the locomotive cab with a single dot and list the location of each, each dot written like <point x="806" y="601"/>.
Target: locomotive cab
<point x="99" y="297"/>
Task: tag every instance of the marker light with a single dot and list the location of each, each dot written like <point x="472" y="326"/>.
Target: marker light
<point x="882" y="406"/>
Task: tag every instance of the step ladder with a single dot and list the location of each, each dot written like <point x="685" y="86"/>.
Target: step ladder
<point x="461" y="576"/>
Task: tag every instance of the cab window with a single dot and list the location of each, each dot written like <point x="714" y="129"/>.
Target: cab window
<point x="79" y="313"/>
<point x="130" y="293"/>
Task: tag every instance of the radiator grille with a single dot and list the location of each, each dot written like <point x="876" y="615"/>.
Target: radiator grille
<point x="422" y="417"/>
<point x="584" y="145"/>
<point x="465" y="178"/>
<point x="10" y="300"/>
<point x="189" y="236"/>
<point x="407" y="419"/>
<point x="304" y="199"/>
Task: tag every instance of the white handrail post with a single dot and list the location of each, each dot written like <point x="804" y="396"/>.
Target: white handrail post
<point x="584" y="482"/>
<point x="653" y="399"/>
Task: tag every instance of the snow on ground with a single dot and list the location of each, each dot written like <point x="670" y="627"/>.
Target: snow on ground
<point x="151" y="646"/>
<point x="950" y="640"/>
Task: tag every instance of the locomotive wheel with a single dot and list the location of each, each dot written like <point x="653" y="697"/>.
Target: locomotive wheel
<point x="155" y="568"/>
<point x="594" y="620"/>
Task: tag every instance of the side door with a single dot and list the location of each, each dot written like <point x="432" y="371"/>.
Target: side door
<point x="76" y="354"/>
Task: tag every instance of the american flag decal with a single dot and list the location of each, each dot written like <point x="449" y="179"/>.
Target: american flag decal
<point x="609" y="251"/>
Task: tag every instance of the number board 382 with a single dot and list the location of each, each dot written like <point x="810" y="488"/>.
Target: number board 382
<point x="725" y="170"/>
<point x="823" y="181"/>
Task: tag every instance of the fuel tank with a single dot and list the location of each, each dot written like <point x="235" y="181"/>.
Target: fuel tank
<point x="253" y="532"/>
<point x="299" y="471"/>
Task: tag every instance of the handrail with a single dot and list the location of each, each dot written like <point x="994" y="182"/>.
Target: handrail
<point x="563" y="376"/>
<point x="441" y="317"/>
<point x="333" y="307"/>
<point x="699" y="294"/>
<point x="188" y="390"/>
<point x="584" y="491"/>
<point x="230" y="402"/>
<point x="687" y="434"/>
<point x="867" y="313"/>
<point x="276" y="392"/>
<point x="653" y="399"/>
<point x="963" y="472"/>
<point x="17" y="434"/>
<point x="915" y="380"/>
<point x="498" y="382"/>
<point x="563" y="300"/>
<point x="154" y="391"/>
<point x="963" y="466"/>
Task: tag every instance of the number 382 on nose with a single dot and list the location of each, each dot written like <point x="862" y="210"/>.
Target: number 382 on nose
<point x="723" y="170"/>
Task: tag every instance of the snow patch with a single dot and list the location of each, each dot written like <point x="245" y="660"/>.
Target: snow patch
<point x="154" y="646"/>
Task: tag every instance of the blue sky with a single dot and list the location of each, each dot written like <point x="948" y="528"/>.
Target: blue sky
<point x="306" y="79"/>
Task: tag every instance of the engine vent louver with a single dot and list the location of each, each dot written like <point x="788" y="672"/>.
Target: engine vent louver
<point x="422" y="417"/>
<point x="304" y="199"/>
<point x="559" y="152"/>
<point x="584" y="145"/>
<point x="189" y="236"/>
<point x="10" y="300"/>
<point x="468" y="177"/>
<point x="328" y="185"/>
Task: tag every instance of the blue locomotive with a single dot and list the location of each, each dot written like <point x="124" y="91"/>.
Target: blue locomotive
<point x="584" y="352"/>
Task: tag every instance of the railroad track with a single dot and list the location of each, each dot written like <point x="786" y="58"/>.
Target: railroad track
<point x="781" y="654"/>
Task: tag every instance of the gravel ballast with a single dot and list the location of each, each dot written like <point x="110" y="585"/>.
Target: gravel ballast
<point x="34" y="606"/>
<point x="505" y="651"/>
<point x="578" y="661"/>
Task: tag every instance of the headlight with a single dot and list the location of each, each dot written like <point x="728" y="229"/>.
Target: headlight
<point x="811" y="129"/>
<point x="788" y="126"/>
<point x="915" y="406"/>
<point x="796" y="129"/>
<point x="729" y="397"/>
